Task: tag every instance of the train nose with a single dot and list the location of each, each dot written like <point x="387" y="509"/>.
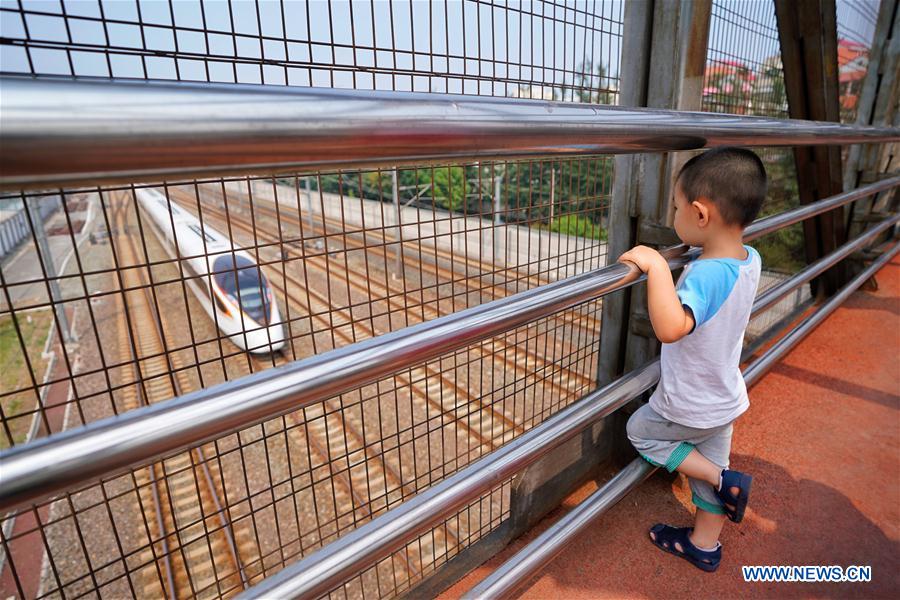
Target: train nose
<point x="266" y="340"/>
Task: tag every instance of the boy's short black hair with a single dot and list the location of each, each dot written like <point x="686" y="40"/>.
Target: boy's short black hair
<point x="733" y="178"/>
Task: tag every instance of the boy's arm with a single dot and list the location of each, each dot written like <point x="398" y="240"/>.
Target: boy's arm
<point x="671" y="321"/>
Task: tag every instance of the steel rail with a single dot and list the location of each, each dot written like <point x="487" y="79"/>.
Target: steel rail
<point x="64" y="132"/>
<point x="528" y="562"/>
<point x="111" y="446"/>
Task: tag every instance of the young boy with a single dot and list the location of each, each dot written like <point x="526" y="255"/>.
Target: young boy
<point x="687" y="424"/>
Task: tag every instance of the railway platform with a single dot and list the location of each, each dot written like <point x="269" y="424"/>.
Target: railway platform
<point x="821" y="439"/>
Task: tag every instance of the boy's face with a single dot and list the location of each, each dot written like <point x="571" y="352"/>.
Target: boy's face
<point x="687" y="220"/>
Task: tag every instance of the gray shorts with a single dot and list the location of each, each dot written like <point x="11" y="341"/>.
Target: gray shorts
<point x="665" y="444"/>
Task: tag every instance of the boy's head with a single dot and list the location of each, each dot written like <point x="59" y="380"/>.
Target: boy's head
<point x="721" y="189"/>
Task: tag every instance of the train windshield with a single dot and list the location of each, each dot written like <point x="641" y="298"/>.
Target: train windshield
<point x="241" y="279"/>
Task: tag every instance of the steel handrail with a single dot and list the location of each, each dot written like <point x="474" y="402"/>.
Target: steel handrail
<point x="111" y="446"/>
<point x="64" y="132"/>
<point x="528" y="561"/>
<point x="322" y="571"/>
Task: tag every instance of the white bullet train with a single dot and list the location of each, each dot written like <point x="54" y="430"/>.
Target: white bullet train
<point x="229" y="284"/>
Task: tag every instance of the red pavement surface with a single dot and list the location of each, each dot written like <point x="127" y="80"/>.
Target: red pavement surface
<point x="822" y="440"/>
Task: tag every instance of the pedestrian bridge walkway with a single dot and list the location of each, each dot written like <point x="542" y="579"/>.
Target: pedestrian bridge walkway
<point x="415" y="404"/>
<point x="822" y="441"/>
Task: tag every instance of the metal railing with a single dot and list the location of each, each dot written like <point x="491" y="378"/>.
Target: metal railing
<point x="64" y="133"/>
<point x="108" y="447"/>
<point x="72" y="459"/>
<point x="527" y="562"/>
<point x="327" y="568"/>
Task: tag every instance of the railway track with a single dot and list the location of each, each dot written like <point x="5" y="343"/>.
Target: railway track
<point x="363" y="482"/>
<point x="197" y="552"/>
<point x="455" y="401"/>
<point x="513" y="357"/>
<point x="363" y="478"/>
<point x="320" y="225"/>
<point x="333" y="449"/>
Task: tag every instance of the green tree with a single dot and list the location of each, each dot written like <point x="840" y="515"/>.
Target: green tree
<point x="603" y="92"/>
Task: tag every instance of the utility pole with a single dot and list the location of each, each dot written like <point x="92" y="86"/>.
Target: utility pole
<point x="44" y="254"/>
<point x="497" y="222"/>
<point x="397" y="221"/>
<point x="309" y="204"/>
<point x="552" y="192"/>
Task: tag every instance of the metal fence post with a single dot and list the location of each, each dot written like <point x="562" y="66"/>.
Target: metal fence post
<point x="877" y="102"/>
<point x="807" y="32"/>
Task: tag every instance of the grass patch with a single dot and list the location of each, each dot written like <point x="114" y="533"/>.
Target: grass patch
<point x="578" y="226"/>
<point x="14" y="373"/>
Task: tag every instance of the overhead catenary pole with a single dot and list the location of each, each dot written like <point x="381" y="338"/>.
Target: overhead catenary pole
<point x="46" y="256"/>
<point x="398" y="221"/>
<point x="309" y="205"/>
<point x="498" y="222"/>
<point x="552" y="192"/>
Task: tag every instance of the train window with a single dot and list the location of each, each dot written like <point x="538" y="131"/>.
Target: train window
<point x="233" y="272"/>
<point x="201" y="233"/>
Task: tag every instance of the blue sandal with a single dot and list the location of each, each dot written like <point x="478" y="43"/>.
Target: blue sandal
<point x="667" y="536"/>
<point x="734" y="504"/>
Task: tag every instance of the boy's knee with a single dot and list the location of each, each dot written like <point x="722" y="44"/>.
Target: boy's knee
<point x="634" y="429"/>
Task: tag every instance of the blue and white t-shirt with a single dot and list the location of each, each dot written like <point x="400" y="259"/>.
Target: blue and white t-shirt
<point x="700" y="381"/>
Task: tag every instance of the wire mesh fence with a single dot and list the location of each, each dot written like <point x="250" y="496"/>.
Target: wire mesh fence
<point x="540" y="49"/>
<point x="125" y="296"/>
<point x="147" y="325"/>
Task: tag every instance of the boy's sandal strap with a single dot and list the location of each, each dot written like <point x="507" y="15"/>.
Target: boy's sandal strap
<point x="734" y="505"/>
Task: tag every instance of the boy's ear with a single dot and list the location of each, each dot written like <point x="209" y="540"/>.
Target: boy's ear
<point x="701" y="207"/>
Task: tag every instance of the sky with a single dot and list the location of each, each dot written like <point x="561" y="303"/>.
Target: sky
<point x="543" y="42"/>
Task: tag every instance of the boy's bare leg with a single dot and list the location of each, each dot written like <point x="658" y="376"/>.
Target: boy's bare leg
<point x="699" y="467"/>
<point x="707" y="527"/>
